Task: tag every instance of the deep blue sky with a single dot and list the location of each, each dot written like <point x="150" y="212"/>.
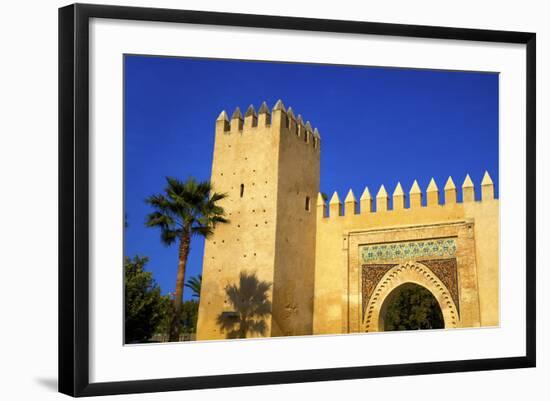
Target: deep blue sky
<point x="378" y="126"/>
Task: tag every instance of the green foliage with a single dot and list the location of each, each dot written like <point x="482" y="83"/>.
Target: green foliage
<point x="188" y="317"/>
<point x="413" y="308"/>
<point x="144" y="306"/>
<point x="189" y="313"/>
<point x="251" y="305"/>
<point x="194" y="284"/>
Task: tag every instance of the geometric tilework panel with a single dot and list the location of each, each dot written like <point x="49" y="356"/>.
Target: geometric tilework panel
<point x="443" y="248"/>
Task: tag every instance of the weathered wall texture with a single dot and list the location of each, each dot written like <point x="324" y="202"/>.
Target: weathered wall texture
<point x="332" y="271"/>
<point x="273" y="158"/>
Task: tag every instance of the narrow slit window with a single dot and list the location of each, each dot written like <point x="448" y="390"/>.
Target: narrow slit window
<point x="242" y="190"/>
<point x="307" y="203"/>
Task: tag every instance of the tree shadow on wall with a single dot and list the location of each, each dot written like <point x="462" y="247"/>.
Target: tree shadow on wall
<point x="250" y="304"/>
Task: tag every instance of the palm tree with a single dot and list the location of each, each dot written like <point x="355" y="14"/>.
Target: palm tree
<point x="185" y="210"/>
<point x="194" y="284"/>
<point x="251" y="304"/>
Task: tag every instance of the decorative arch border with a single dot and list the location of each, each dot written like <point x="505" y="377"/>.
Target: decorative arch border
<point x="409" y="272"/>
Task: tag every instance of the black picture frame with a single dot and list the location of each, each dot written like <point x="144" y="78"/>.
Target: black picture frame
<point x="74" y="198"/>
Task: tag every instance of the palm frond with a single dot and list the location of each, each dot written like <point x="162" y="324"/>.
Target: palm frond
<point x="217" y="196"/>
<point x="159" y="219"/>
<point x="203" y="231"/>
<point x="218" y="219"/>
<point x="186" y="206"/>
<point x="195" y="284"/>
<point x="169" y="236"/>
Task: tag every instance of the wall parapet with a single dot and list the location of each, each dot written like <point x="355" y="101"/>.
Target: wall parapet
<point x="279" y="117"/>
<point x="415" y="196"/>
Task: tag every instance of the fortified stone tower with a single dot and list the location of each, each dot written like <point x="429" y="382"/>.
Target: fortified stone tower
<point x="268" y="164"/>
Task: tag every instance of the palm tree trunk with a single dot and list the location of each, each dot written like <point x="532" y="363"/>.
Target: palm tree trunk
<point x="185" y="245"/>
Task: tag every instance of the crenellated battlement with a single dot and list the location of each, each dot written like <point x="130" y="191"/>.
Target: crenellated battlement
<point x="381" y="202"/>
<point x="279" y="119"/>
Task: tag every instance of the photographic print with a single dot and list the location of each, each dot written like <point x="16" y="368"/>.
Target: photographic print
<point x="273" y="199"/>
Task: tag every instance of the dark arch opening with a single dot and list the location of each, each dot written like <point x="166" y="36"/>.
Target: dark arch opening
<point x="411" y="307"/>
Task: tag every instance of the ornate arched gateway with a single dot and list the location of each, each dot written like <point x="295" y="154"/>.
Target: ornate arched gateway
<point x="397" y="276"/>
<point x="438" y="257"/>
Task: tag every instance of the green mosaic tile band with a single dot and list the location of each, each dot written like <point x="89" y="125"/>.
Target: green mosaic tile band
<point x="441" y="248"/>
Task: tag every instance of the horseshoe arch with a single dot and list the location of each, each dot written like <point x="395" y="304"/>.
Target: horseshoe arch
<point x="410" y="272"/>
